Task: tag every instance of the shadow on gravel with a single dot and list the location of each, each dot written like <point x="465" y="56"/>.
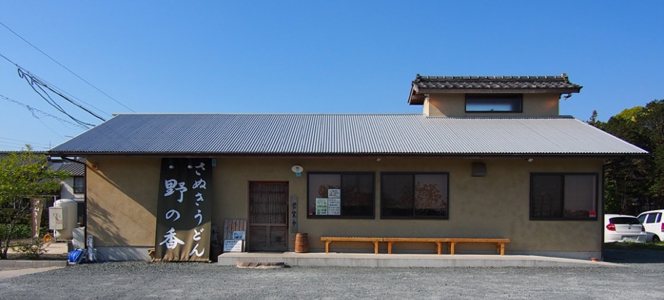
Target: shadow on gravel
<point x="634" y="256"/>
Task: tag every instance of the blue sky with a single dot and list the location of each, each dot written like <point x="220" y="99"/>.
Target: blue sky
<point x="310" y="56"/>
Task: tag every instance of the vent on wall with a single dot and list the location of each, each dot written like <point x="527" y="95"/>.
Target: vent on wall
<point x="478" y="169"/>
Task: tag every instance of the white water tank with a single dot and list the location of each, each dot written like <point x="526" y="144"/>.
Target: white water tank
<point x="68" y="218"/>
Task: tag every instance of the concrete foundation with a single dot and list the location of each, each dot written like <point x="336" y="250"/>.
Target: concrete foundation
<point x="405" y="260"/>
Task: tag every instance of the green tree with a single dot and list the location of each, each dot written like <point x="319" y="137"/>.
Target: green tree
<point x="23" y="176"/>
<point x="636" y="184"/>
<point x="651" y="119"/>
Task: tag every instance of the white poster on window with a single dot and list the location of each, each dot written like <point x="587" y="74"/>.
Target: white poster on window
<point x="334" y="193"/>
<point x="334" y="202"/>
<point x="321" y="206"/>
<point x="334" y="206"/>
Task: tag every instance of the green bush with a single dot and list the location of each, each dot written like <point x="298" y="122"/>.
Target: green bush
<point x="21" y="231"/>
<point x="32" y="250"/>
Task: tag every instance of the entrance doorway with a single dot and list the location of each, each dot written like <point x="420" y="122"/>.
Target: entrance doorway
<point x="268" y="216"/>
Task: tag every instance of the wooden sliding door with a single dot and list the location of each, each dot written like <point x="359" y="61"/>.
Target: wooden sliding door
<point x="268" y="216"/>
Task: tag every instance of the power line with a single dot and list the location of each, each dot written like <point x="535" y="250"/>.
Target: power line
<point x="33" y="110"/>
<point x="22" y="146"/>
<point x="17" y="143"/>
<point x="36" y="83"/>
<point x="51" y="86"/>
<point x="70" y="71"/>
<point x="49" y="127"/>
<point x="13" y="140"/>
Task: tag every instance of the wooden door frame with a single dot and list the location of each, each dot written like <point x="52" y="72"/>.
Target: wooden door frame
<point x="287" y="212"/>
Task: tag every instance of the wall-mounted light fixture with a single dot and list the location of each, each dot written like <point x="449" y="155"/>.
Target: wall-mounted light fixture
<point x="94" y="166"/>
<point x="297" y="169"/>
<point x="478" y="169"/>
<point x="529" y="160"/>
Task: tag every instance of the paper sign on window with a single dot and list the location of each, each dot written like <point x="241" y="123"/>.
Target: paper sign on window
<point x="334" y="202"/>
<point x="321" y="206"/>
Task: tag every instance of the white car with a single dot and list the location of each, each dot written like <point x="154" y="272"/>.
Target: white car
<point x="623" y="228"/>
<point x="652" y="221"/>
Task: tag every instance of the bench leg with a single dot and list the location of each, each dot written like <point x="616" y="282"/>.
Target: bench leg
<point x="439" y="247"/>
<point x="502" y="249"/>
<point x="375" y="247"/>
<point x="389" y="247"/>
<point x="452" y="247"/>
<point x="327" y="247"/>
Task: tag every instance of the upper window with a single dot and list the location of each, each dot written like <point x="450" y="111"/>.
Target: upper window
<point x="563" y="196"/>
<point x="487" y="103"/>
<point x="79" y="184"/>
<point x="340" y="195"/>
<point x="409" y="195"/>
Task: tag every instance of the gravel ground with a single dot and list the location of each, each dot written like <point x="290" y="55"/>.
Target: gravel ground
<point x="640" y="279"/>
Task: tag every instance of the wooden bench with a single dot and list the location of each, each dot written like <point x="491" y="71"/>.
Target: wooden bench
<point x="330" y="239"/>
<point x="439" y="242"/>
<point x="500" y="243"/>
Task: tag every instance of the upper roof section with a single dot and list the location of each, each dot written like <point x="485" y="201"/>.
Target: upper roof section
<point x="73" y="168"/>
<point x="345" y="134"/>
<point x="423" y="85"/>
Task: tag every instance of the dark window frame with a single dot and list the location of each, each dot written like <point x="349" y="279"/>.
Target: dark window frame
<point x="487" y="99"/>
<point x="562" y="193"/>
<point x="446" y="216"/>
<point x="78" y="189"/>
<point x="342" y="216"/>
<point x="654" y="219"/>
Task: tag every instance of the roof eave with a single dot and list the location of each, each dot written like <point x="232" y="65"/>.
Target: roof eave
<point x="417" y="94"/>
<point x="292" y="154"/>
<point x="499" y="91"/>
<point x="415" y="98"/>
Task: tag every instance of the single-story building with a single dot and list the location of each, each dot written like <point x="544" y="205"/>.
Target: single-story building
<point x="489" y="157"/>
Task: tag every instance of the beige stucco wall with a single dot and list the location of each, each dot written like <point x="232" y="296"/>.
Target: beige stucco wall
<point x="122" y="203"/>
<point x="454" y="105"/>
<point x="122" y="200"/>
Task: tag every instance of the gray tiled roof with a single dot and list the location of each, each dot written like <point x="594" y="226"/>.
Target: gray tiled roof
<point x="478" y="84"/>
<point x="341" y="134"/>
<point x="73" y="168"/>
